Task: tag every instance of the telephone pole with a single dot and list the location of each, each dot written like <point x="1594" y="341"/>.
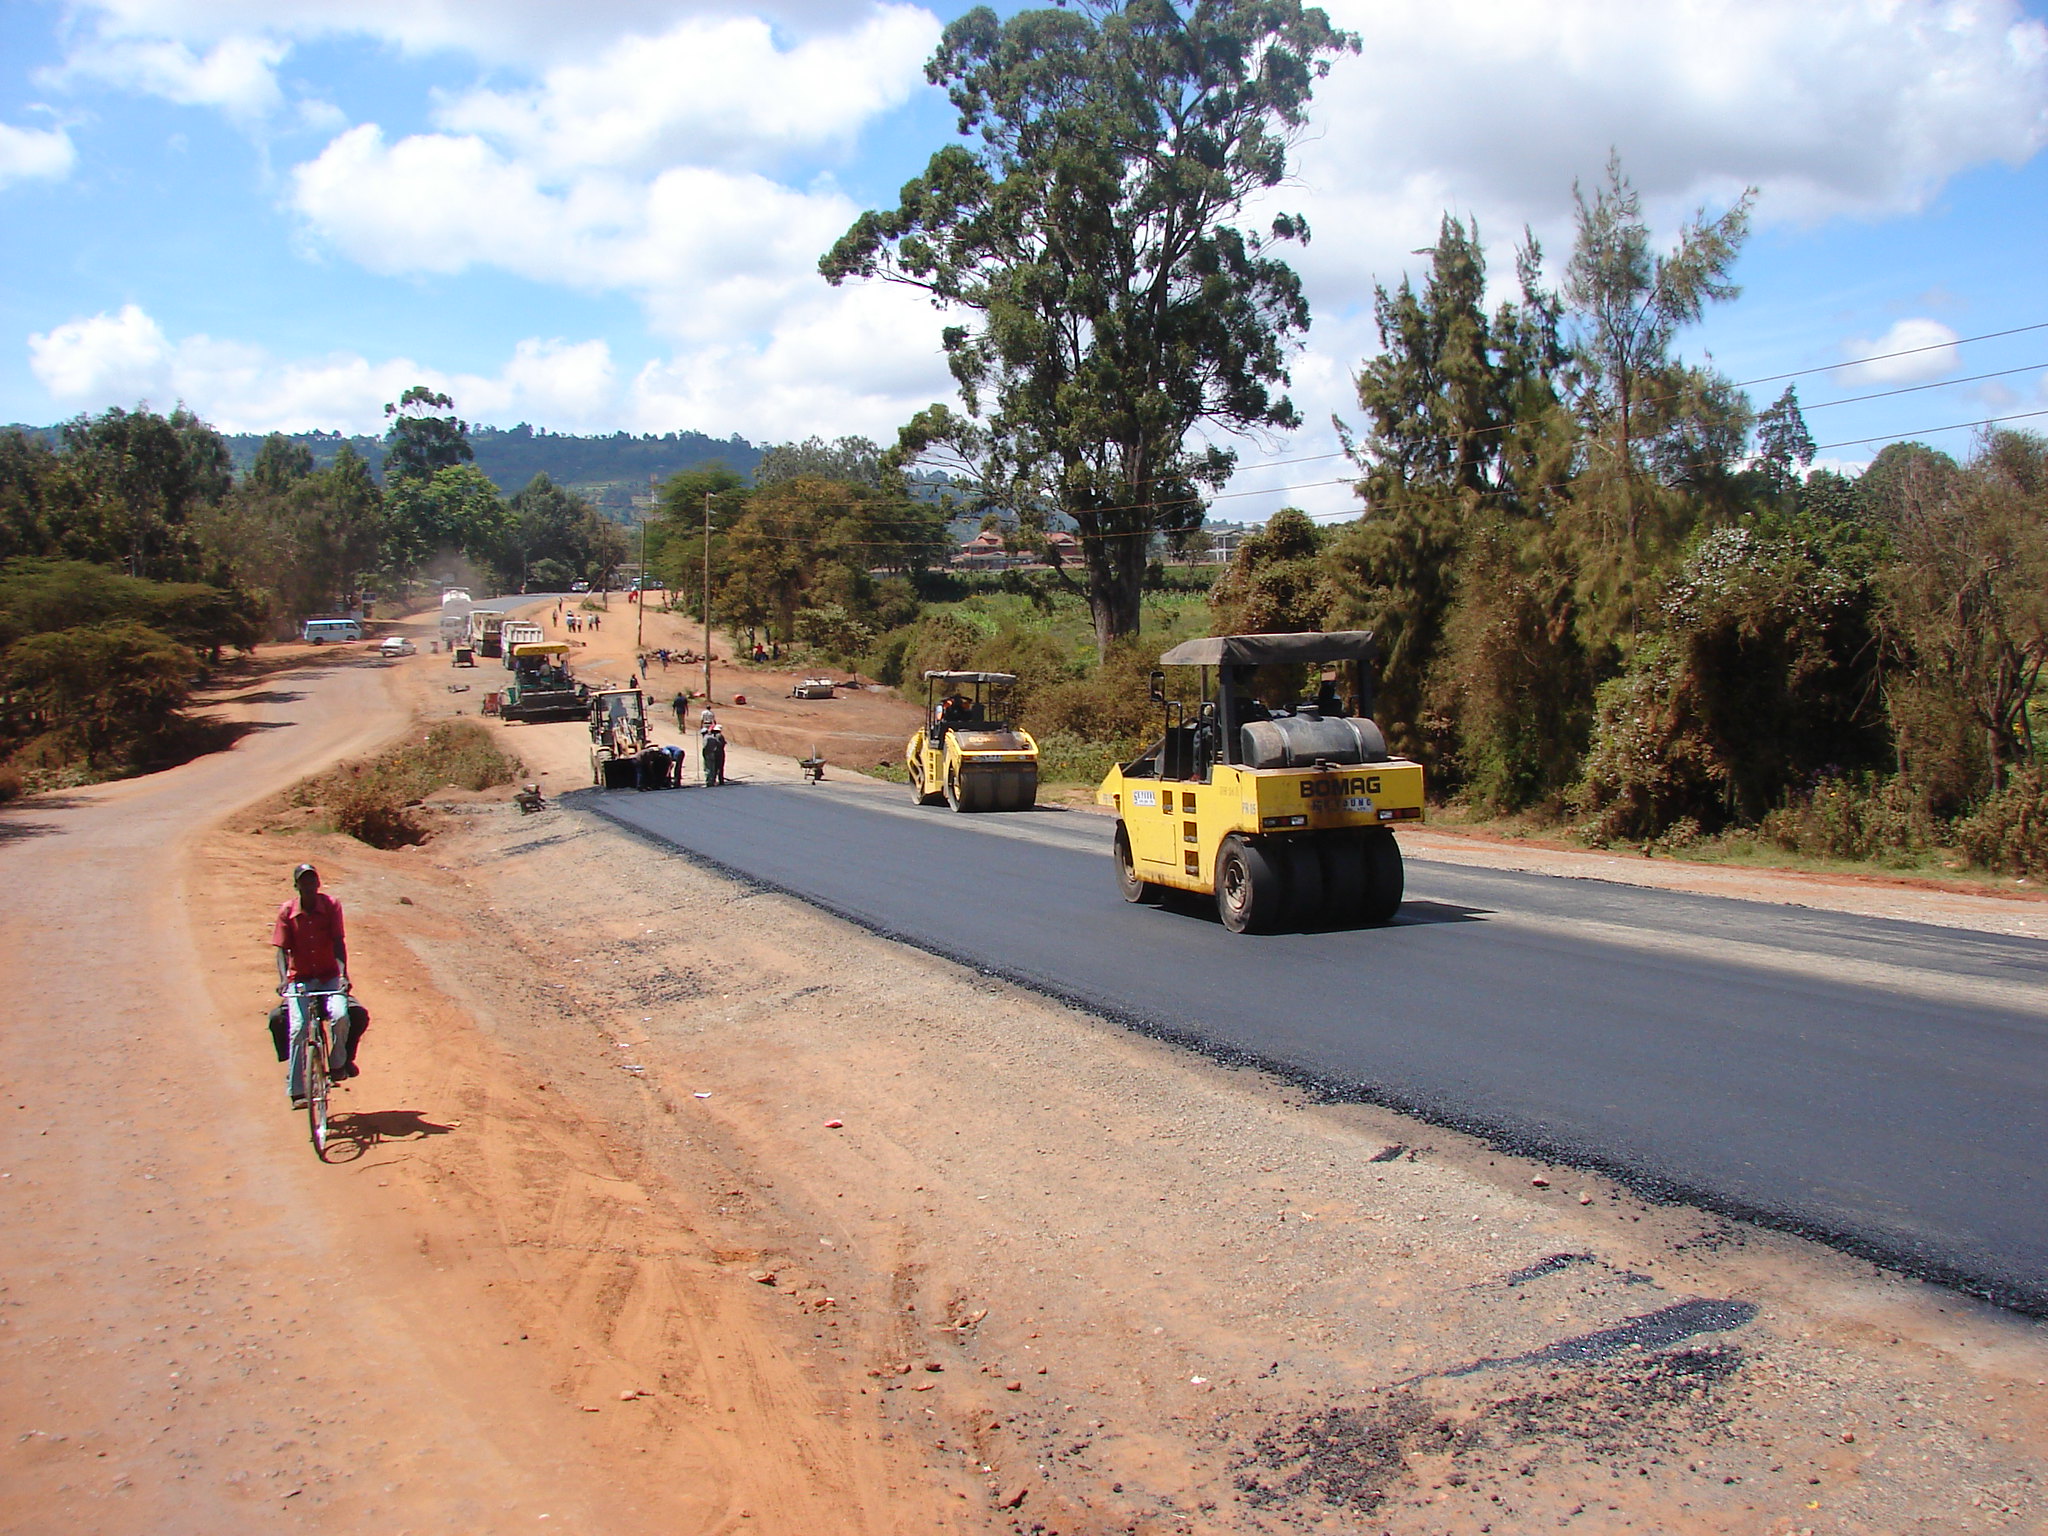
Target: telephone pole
<point x="707" y="599"/>
<point x="640" y="617"/>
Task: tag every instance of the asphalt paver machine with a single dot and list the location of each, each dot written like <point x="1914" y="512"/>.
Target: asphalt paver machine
<point x="541" y="687"/>
<point x="1283" y="811"/>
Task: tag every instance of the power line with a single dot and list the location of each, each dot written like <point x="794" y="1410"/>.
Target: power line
<point x="1347" y="480"/>
<point x="1890" y="437"/>
<point x="1880" y="357"/>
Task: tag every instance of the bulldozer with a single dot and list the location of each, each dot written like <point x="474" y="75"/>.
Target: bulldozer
<point x="618" y="735"/>
<point x="1284" y="813"/>
<point x="970" y="753"/>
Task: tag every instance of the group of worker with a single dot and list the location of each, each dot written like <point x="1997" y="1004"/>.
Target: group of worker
<point x="662" y="767"/>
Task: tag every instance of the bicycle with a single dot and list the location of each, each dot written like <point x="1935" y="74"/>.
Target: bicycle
<point x="312" y="1049"/>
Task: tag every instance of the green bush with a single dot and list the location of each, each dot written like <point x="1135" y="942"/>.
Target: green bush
<point x="2008" y="832"/>
<point x="1861" y="817"/>
<point x="110" y="690"/>
<point x="1068" y="759"/>
<point x="1648" y="766"/>
<point x="1109" y="705"/>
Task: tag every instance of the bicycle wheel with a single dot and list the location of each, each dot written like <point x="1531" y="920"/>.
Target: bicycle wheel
<point x="316" y="1084"/>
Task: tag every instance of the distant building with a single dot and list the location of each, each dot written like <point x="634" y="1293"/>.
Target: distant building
<point x="984" y="552"/>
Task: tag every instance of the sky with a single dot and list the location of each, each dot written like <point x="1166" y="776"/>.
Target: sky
<point x="607" y="216"/>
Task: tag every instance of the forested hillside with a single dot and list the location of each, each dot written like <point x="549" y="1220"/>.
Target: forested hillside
<point x="608" y="471"/>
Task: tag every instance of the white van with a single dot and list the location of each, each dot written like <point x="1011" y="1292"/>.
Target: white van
<point x="320" y="631"/>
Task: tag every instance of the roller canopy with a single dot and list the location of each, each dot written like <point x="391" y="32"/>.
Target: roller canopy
<point x="970" y="677"/>
<point x="1274" y="650"/>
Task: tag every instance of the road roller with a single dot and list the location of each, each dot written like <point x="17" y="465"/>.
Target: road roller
<point x="1270" y="789"/>
<point x="970" y="753"/>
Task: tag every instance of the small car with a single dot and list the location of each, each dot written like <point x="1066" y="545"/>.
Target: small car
<point x="396" y="645"/>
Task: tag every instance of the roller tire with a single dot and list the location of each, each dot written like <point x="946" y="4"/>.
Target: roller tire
<point x="1136" y="889"/>
<point x="1345" y="881"/>
<point x="1250" y="893"/>
<point x="1384" y="879"/>
<point x="1301" y="860"/>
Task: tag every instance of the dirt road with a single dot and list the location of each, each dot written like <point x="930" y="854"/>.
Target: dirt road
<point x="207" y="1331"/>
<point x="834" y="1237"/>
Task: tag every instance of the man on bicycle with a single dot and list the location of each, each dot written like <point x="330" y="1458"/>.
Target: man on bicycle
<point x="312" y="955"/>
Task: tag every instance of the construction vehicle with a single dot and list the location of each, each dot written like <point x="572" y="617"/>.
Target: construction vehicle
<point x="1284" y="814"/>
<point x="514" y="633"/>
<point x="456" y="608"/>
<point x="541" y="687"/>
<point x="487" y="633"/>
<point x="618" y="735"/>
<point x="970" y="753"/>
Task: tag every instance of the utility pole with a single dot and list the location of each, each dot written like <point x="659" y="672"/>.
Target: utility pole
<point x="640" y="617"/>
<point x="707" y="599"/>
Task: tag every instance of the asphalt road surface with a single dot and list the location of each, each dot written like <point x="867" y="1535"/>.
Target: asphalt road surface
<point x="1880" y="1085"/>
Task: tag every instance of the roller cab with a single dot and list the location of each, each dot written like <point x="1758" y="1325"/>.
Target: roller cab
<point x="970" y="753"/>
<point x="1270" y="789"/>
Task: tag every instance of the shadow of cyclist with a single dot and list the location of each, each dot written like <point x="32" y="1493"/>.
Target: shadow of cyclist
<point x="350" y="1135"/>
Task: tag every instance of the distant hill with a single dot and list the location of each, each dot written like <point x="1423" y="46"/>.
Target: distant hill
<point x="609" y="470"/>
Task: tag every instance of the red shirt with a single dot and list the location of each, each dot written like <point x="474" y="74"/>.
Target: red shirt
<point x="310" y="937"/>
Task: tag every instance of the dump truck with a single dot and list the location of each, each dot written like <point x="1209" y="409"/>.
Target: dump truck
<point x="1283" y="812"/>
<point x="618" y="735"/>
<point x="487" y="633"/>
<point x="514" y="633"/>
<point x="541" y="687"/>
<point x="970" y="753"/>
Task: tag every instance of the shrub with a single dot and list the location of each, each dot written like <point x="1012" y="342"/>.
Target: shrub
<point x="111" y="690"/>
<point x="2008" y="832"/>
<point x="370" y="801"/>
<point x="1068" y="759"/>
<point x="10" y="783"/>
<point x="1110" y="705"/>
<point x="1860" y="817"/>
<point x="1648" y="765"/>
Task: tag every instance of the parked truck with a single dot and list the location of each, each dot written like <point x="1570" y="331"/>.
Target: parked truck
<point x="517" y="632"/>
<point x="487" y="633"/>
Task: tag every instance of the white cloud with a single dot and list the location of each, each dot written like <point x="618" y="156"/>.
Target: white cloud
<point x="857" y="360"/>
<point x="238" y="75"/>
<point x="106" y="359"/>
<point x="123" y="358"/>
<point x="1494" y="107"/>
<point x="536" y="33"/>
<point x="35" y="153"/>
<point x="706" y="251"/>
<point x="707" y="91"/>
<point x="1911" y="352"/>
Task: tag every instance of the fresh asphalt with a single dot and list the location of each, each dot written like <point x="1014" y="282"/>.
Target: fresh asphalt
<point x="1880" y="1085"/>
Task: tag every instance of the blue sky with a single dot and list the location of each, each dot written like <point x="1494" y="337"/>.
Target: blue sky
<point x="608" y="216"/>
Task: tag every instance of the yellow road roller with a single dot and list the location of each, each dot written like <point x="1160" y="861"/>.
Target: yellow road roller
<point x="1271" y="789"/>
<point x="970" y="752"/>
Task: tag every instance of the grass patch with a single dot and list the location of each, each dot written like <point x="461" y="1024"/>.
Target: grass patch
<point x="374" y="802"/>
<point x="1746" y="848"/>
